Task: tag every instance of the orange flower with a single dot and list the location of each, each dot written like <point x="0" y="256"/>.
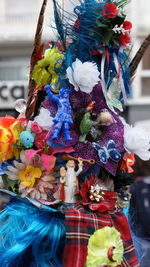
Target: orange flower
<point x="127" y="163"/>
<point x="10" y="128"/>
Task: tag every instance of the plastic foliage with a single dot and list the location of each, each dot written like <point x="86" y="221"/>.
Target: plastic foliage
<point x="30" y="236"/>
<point x="105" y="247"/>
<point x="47" y="69"/>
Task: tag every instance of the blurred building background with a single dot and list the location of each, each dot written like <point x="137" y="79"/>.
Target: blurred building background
<point x="18" y="20"/>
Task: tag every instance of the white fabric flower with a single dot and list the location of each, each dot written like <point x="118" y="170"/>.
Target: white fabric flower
<point x="83" y="76"/>
<point x="44" y="119"/>
<point x="137" y="141"/>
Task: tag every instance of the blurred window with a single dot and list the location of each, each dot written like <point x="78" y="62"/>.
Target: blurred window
<point x="143" y="9"/>
<point x="146" y="59"/>
<point x="14" y="68"/>
<point x="145" y="86"/>
<point x="145" y="74"/>
<point x="20" y="8"/>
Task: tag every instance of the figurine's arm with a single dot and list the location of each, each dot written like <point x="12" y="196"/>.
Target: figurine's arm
<point x="80" y="167"/>
<point x="50" y="94"/>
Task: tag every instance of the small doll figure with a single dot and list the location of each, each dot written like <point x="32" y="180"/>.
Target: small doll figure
<point x="69" y="181"/>
<point x="63" y="118"/>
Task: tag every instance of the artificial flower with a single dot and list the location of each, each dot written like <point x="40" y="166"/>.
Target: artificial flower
<point x="107" y="199"/>
<point x="137" y="141"/>
<point x="10" y="128"/>
<point x="127" y="25"/>
<point x="110" y="11"/>
<point x="127" y="162"/>
<point x="1" y="184"/>
<point x="48" y="158"/>
<point x="3" y="166"/>
<point x="40" y="191"/>
<point x="105" y="247"/>
<point x="40" y="140"/>
<point x="83" y="76"/>
<point x="44" y="119"/>
<point x="32" y="178"/>
<point x="36" y="128"/>
<point x="44" y="71"/>
<point x="29" y="175"/>
<point x="125" y="39"/>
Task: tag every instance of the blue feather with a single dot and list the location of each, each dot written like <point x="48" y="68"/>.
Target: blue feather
<point x="59" y="23"/>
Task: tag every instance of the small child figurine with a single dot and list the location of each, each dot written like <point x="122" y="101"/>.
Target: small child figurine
<point x="63" y="117"/>
<point x="69" y="181"/>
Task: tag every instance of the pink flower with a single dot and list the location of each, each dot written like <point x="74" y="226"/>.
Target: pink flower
<point x="110" y="11"/>
<point x="24" y="123"/>
<point x="36" y="128"/>
<point x="127" y="25"/>
<point x="125" y="39"/>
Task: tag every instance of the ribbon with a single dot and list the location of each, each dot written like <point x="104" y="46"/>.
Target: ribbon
<point x="119" y="72"/>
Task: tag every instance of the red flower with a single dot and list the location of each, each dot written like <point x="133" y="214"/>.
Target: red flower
<point x="107" y="202"/>
<point x="36" y="128"/>
<point x="127" y="25"/>
<point x="110" y="11"/>
<point x="40" y="140"/>
<point x="125" y="39"/>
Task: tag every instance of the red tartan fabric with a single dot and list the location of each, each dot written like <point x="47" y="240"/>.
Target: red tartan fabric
<point x="81" y="223"/>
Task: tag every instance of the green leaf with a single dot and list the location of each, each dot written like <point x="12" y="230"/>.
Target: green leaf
<point x="121" y="3"/>
<point x="107" y="36"/>
<point x="100" y="24"/>
<point x="9" y="184"/>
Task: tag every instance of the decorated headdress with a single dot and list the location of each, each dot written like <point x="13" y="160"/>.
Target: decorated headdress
<point x="66" y="160"/>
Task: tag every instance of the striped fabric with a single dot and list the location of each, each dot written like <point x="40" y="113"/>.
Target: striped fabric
<point x="81" y="223"/>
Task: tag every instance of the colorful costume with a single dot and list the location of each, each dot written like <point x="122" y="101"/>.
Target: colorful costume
<point x="77" y="90"/>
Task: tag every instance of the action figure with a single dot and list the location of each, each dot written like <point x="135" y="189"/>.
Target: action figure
<point x="69" y="181"/>
<point x="63" y="117"/>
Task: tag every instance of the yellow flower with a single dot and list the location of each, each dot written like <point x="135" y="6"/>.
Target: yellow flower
<point x="10" y="129"/>
<point x="105" y="247"/>
<point x="29" y="175"/>
<point x="44" y="71"/>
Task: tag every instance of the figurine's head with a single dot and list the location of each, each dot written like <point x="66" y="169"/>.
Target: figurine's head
<point x="70" y="164"/>
<point x="64" y="93"/>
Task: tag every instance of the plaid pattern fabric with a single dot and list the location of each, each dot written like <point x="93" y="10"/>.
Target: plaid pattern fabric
<point x="82" y="223"/>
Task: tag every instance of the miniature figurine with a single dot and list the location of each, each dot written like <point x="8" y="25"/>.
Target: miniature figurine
<point x="63" y="118"/>
<point x="26" y="139"/>
<point x="69" y="181"/>
<point x="86" y="123"/>
<point x="105" y="117"/>
<point x="90" y="126"/>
